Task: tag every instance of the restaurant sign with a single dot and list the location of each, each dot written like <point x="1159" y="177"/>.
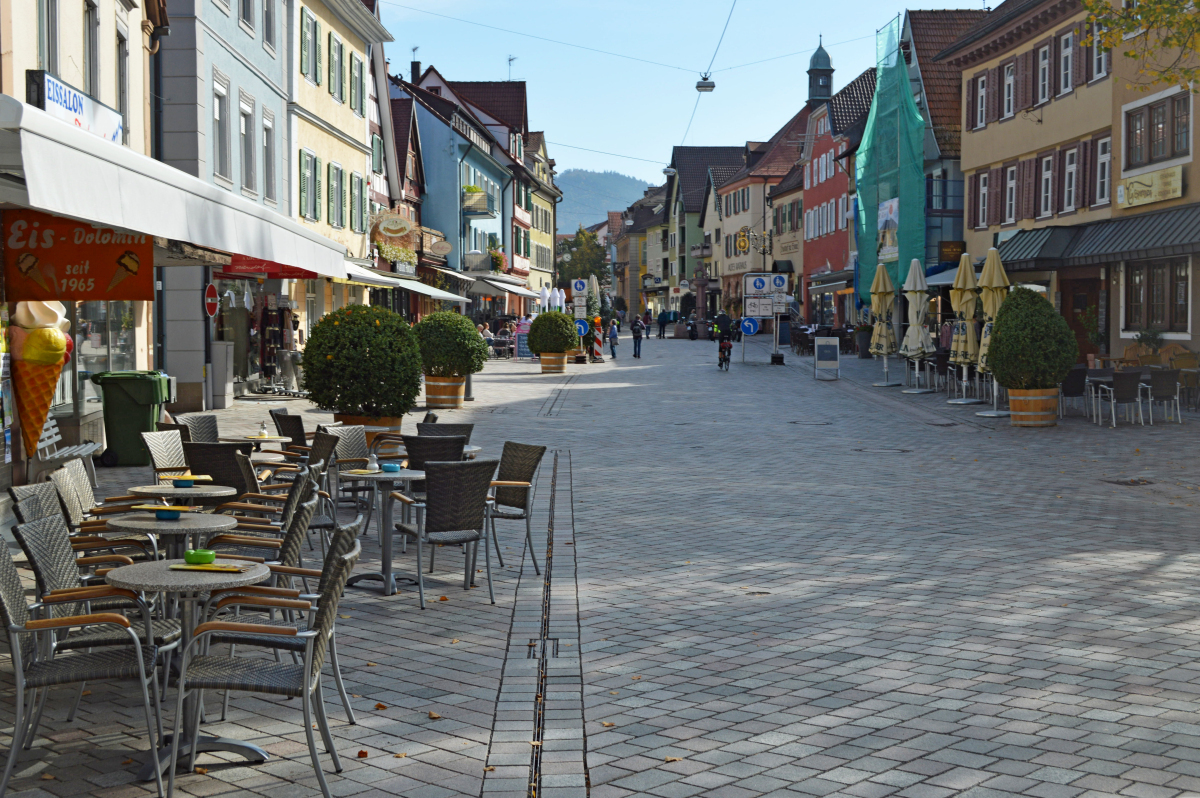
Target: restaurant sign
<point x="1152" y="187"/>
<point x="48" y="257"/>
<point x="64" y="101"/>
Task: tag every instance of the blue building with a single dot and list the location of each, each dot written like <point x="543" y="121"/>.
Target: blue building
<point x="223" y="82"/>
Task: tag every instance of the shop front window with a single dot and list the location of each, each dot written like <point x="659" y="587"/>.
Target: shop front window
<point x="104" y="341"/>
<point x="236" y="322"/>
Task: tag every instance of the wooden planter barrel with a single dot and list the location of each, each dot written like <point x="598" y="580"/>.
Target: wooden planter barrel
<point x="1033" y="408"/>
<point x="553" y="362"/>
<point x="445" y="393"/>
<point x="391" y="422"/>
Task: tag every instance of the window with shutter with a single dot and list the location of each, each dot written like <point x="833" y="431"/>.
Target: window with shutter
<point x="331" y="191"/>
<point x="332" y="64"/>
<point x="972" y="205"/>
<point x="993" y="95"/>
<point x="305" y="36"/>
<point x="362" y="89"/>
<point x="304" y="167"/>
<point x="995" y="193"/>
<point x="316" y="188"/>
<point x="353" y="83"/>
<point x="343" y="199"/>
<point x="317" y="72"/>
<point x="341" y="72"/>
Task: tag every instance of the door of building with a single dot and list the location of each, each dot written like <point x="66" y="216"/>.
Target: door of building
<point x="1081" y="304"/>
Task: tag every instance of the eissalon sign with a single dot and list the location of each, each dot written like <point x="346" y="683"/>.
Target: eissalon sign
<point x="65" y="102"/>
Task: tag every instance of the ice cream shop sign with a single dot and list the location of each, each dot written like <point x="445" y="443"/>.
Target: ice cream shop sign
<point x="48" y="257"/>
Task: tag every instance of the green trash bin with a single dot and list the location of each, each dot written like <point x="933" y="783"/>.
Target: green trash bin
<point x="133" y="403"/>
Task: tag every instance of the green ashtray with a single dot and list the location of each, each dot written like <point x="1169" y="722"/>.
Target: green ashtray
<point x="183" y="483"/>
<point x="199" y="556"/>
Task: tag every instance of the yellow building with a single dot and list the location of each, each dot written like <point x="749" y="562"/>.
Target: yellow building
<point x="544" y="214"/>
<point x="330" y="132"/>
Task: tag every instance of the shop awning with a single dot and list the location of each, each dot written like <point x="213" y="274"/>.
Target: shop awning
<point x="489" y="288"/>
<point x="520" y="290"/>
<point x="418" y="287"/>
<point x="364" y="276"/>
<point x="827" y="288"/>
<point x="71" y="172"/>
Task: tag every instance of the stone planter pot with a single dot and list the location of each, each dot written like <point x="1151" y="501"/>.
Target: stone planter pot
<point x="445" y="393"/>
<point x="1033" y="408"/>
<point x="553" y="362"/>
<point x="391" y="422"/>
<point x="863" y="339"/>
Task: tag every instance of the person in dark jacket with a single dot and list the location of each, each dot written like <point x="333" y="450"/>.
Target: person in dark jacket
<point x="663" y="318"/>
<point x="637" y="328"/>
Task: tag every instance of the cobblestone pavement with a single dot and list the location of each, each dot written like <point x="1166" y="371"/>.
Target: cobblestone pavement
<point x="758" y="584"/>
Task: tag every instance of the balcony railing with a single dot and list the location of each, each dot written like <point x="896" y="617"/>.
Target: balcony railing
<point x="701" y="250"/>
<point x="478" y="203"/>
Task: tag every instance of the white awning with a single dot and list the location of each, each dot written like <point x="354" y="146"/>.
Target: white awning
<point x="521" y="290"/>
<point x="358" y="274"/>
<point x="418" y="287"/>
<point x="71" y="172"/>
<point x="486" y="288"/>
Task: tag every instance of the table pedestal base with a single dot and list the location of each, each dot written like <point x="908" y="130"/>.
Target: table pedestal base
<point x="206" y="743"/>
<point x="389" y="581"/>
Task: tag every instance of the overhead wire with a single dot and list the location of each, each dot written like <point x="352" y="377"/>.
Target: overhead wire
<point x="798" y="52"/>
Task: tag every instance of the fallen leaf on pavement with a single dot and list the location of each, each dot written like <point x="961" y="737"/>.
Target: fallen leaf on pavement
<point x="535" y="742"/>
<point x="674" y="759"/>
<point x="47" y="777"/>
<point x="455" y="640"/>
<point x="352" y="695"/>
<point x="488" y="769"/>
<point x="127" y="762"/>
<point x="443" y="598"/>
<point x="372" y="664"/>
<point x="434" y="716"/>
<point x="635" y="678"/>
<point x="399" y="756"/>
<point x="343" y="616"/>
<point x="86" y="692"/>
<point x="362" y="754"/>
<point x="381" y="706"/>
<point x="606" y="723"/>
<point x="613" y="692"/>
<point x="201" y="771"/>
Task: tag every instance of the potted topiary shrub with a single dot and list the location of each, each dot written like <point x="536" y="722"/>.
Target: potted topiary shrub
<point x="451" y="348"/>
<point x="363" y="363"/>
<point x="1031" y="352"/>
<point x="551" y="336"/>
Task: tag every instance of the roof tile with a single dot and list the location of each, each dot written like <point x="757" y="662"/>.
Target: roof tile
<point x="933" y="32"/>
<point x="692" y="164"/>
<point x="503" y="99"/>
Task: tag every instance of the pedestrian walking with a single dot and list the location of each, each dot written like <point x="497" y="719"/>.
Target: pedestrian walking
<point x="637" y="327"/>
<point x="662" y="324"/>
<point x="613" y="334"/>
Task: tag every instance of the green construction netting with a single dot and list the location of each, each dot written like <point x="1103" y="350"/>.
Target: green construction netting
<point x="890" y="171"/>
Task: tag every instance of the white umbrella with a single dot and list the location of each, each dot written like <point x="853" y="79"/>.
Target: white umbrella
<point x="545" y="297"/>
<point x="917" y="341"/>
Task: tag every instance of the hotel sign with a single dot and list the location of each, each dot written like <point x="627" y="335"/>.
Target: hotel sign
<point x="1165" y="184"/>
<point x="67" y="103"/>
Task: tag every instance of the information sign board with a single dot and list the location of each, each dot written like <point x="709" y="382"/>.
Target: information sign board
<point x="523" y="345"/>
<point x="826" y="356"/>
<point x="581" y="312"/>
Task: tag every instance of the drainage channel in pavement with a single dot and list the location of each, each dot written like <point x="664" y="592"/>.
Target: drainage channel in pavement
<point x="537" y="748"/>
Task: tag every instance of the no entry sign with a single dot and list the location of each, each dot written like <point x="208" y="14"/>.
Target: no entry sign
<point x="211" y="303"/>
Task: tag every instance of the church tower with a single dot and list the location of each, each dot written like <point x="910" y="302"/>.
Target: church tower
<point x="820" y="76"/>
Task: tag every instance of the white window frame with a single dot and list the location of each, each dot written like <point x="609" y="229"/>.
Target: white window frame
<point x="1010" y="90"/>
<point x="1046" y="187"/>
<point x="1099" y="55"/>
<point x="246" y="15"/>
<point x="247" y="145"/>
<point x="123" y="84"/>
<point x="1070" y="180"/>
<point x="1044" y="74"/>
<point x="1066" y="63"/>
<point x="91" y="49"/>
<point x="939" y="189"/>
<point x="1010" y="195"/>
<point x="981" y="102"/>
<point x="222" y="157"/>
<point x="268" y="24"/>
<point x="981" y="221"/>
<point x="1104" y="171"/>
<point x="268" y="157"/>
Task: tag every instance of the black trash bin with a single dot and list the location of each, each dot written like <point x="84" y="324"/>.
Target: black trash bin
<point x="133" y="403"/>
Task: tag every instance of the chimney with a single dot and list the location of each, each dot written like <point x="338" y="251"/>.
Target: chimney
<point x="416" y="71"/>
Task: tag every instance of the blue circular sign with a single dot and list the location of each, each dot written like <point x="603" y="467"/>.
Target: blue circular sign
<point x="749" y="325"/>
<point x="579" y="286"/>
<point x="759" y="283"/>
<point x="779" y="281"/>
<point x="581" y="327"/>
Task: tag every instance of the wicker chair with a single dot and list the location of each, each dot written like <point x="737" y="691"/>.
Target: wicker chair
<point x="202" y="672"/>
<point x="185" y="432"/>
<point x="423" y="449"/>
<point x="35" y="665"/>
<point x="323" y="448"/>
<point x="1125" y="390"/>
<point x="1074" y="386"/>
<point x="1163" y="388"/>
<point x="87" y="520"/>
<point x="275" y="513"/>
<point x="36" y="501"/>
<point x="202" y="427"/>
<point x="289" y="426"/>
<point x="289" y="567"/>
<point x="514" y="486"/>
<point x="217" y="460"/>
<point x="166" y="454"/>
<point x="445" y="430"/>
<point x="455" y="511"/>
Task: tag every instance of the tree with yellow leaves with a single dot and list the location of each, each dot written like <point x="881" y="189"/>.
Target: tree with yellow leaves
<point x="1162" y="36"/>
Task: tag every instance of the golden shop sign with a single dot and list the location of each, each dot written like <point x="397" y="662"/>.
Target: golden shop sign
<point x="1165" y="184"/>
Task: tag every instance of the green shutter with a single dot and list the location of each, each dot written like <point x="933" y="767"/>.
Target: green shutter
<point x="366" y="195"/>
<point x="341" y="71"/>
<point x="305" y="33"/>
<point x="342" y="185"/>
<point x="376" y="154"/>
<point x="332" y="62"/>
<point x="331" y="193"/>
<point x="316" y="188"/>
<point x="316" y="38"/>
<point x="362" y="88"/>
<point x="303" y="161"/>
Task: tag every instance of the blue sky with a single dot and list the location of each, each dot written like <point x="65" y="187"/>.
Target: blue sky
<point x="631" y="108"/>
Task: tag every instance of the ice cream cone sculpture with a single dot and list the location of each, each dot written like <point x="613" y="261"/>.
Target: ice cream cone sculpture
<point x="28" y="265"/>
<point x="39" y="347"/>
<point x="127" y="264"/>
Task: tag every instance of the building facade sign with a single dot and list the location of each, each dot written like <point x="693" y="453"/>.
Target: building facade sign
<point x="65" y="102"/>
<point x="1165" y="184"/>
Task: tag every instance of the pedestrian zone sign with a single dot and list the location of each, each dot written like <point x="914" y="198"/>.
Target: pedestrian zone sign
<point x="579" y="286"/>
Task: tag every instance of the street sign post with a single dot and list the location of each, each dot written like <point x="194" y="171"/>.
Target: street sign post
<point x="826" y="357"/>
<point x="749" y="327"/>
<point x="581" y="311"/>
<point x="765" y="296"/>
<point x="582" y="327"/>
<point x="211" y="302"/>
<point x="579" y="287"/>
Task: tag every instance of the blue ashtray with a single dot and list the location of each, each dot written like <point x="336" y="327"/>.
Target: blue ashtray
<point x="391" y="468"/>
<point x="167" y="515"/>
<point x="183" y="483"/>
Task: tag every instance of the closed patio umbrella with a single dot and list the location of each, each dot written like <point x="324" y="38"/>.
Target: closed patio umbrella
<point x="883" y="338"/>
<point x="917" y="342"/>
<point x="993" y="288"/>
<point x="964" y="349"/>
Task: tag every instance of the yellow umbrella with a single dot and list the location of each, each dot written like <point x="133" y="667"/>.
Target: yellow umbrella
<point x="883" y="299"/>
<point x="917" y="341"/>
<point x="993" y="285"/>
<point x="963" y="347"/>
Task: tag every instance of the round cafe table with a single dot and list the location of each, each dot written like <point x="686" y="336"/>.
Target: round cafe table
<point x="257" y="440"/>
<point x="386" y="481"/>
<point x="202" y="490"/>
<point x="189" y="587"/>
<point x="178" y="534"/>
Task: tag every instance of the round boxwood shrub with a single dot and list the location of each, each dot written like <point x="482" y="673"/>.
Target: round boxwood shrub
<point x="450" y="345"/>
<point x="1032" y="346"/>
<point x="552" y="332"/>
<point x="362" y="361"/>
